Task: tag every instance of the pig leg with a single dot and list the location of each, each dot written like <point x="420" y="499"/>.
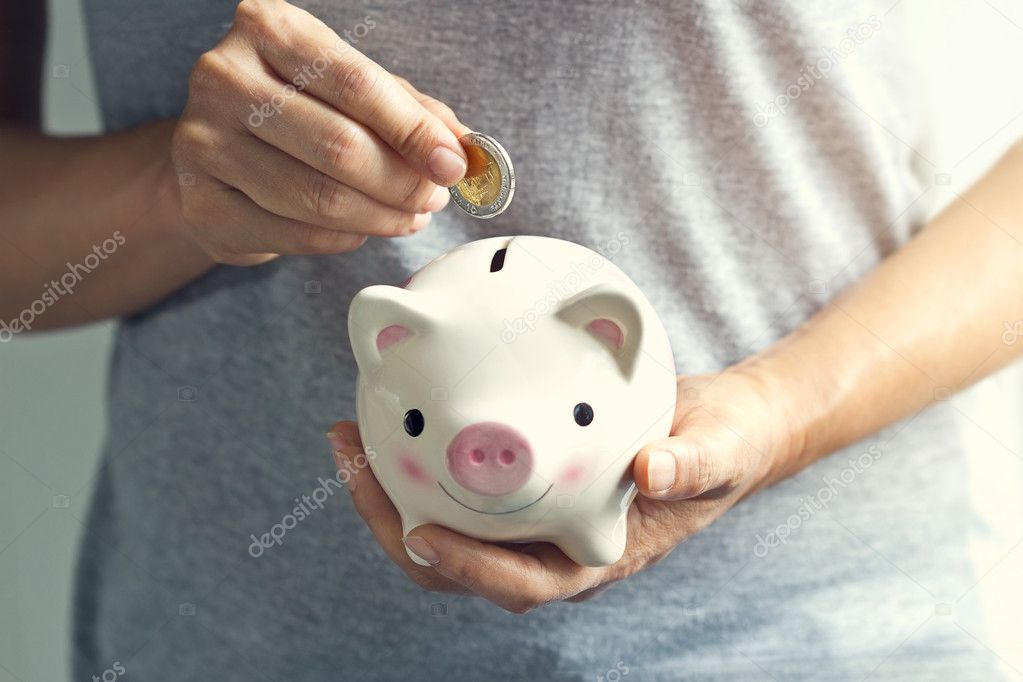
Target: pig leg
<point x="595" y="542"/>
<point x="597" y="537"/>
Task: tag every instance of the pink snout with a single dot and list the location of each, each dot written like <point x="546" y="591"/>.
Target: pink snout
<point x="489" y="458"/>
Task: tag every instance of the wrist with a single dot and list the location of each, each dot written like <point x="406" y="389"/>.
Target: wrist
<point x="164" y="183"/>
<point x="788" y="422"/>
<point x="164" y="225"/>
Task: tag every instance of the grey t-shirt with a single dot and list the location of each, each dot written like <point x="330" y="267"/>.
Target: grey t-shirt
<point x="758" y="157"/>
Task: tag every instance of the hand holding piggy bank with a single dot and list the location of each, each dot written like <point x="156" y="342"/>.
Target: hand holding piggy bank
<point x="505" y="388"/>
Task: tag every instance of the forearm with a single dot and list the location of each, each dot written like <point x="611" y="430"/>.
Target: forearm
<point x="105" y="210"/>
<point x="927" y="322"/>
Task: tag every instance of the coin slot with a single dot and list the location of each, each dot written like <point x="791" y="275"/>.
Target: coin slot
<point x="497" y="262"/>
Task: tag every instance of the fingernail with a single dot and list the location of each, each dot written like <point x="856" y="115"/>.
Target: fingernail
<point x="421" y="220"/>
<point x="336" y="440"/>
<point x="422" y="549"/>
<point x="660" y="470"/>
<point x="447" y="166"/>
<point x="437" y="200"/>
<point x="351" y="479"/>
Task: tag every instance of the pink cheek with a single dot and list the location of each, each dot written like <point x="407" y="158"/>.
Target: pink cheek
<point x="572" y="476"/>
<point x="413" y="470"/>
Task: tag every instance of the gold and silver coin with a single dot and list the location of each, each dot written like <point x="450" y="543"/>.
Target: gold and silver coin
<point x="489" y="182"/>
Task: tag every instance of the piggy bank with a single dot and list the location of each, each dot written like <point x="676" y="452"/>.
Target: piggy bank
<point x="505" y="388"/>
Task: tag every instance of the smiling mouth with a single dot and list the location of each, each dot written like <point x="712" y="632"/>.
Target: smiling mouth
<point x="480" y="511"/>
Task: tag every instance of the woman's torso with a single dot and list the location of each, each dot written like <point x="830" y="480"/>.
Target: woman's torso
<point x="648" y="120"/>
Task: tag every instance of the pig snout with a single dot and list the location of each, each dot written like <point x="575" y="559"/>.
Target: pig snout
<point x="489" y="458"/>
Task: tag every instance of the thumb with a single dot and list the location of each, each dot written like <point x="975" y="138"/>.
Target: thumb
<point x="344" y="434"/>
<point x="680" y="468"/>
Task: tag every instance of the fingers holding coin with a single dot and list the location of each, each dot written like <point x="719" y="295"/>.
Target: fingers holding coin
<point x="488" y="185"/>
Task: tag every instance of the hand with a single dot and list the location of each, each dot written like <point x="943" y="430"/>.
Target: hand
<point x="292" y="141"/>
<point x="728" y="439"/>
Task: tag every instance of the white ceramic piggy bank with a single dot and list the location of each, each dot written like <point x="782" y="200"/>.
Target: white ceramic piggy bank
<point x="505" y="389"/>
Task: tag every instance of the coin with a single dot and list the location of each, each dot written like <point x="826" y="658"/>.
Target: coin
<point x="489" y="182"/>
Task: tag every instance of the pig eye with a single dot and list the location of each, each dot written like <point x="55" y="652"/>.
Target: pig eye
<point x="414" y="423"/>
<point x="583" y="414"/>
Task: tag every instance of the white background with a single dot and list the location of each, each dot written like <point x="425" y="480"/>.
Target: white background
<point x="51" y="386"/>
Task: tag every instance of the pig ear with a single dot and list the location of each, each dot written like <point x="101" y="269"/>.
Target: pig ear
<point x="383" y="317"/>
<point x="611" y="317"/>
